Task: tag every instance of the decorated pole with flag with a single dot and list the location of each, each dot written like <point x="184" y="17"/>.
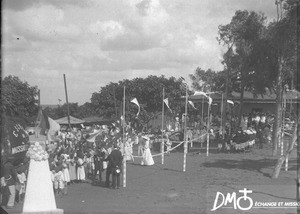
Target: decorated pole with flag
<point x="166" y="101"/>
<point x="124" y="158"/>
<point x="134" y="100"/>
<point x="162" y="150"/>
<point x="185" y="132"/>
<point x="48" y="127"/>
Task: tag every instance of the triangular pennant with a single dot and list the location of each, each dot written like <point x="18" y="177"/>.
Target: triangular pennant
<point x="209" y="100"/>
<point x="192" y="104"/>
<point x="230" y="101"/>
<point x="200" y="93"/>
<point x="137" y="103"/>
<point x="166" y="101"/>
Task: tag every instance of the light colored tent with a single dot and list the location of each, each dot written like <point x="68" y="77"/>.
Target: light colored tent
<point x="73" y="121"/>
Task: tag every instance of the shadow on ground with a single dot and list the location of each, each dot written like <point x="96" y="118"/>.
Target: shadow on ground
<point x="248" y="164"/>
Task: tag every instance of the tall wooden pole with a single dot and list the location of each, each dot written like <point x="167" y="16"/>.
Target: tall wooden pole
<point x="124" y="160"/>
<point x="222" y="116"/>
<point x="208" y="127"/>
<point x="68" y="110"/>
<point x="39" y="98"/>
<point x="202" y="110"/>
<point x="115" y="102"/>
<point x="162" y="150"/>
<point x="185" y="131"/>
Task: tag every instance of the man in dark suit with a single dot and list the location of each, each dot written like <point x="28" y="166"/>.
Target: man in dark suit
<point x="114" y="167"/>
<point x="97" y="163"/>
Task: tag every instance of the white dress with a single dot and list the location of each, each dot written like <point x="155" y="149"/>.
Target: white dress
<point x="147" y="156"/>
<point x="66" y="174"/>
<point x="80" y="170"/>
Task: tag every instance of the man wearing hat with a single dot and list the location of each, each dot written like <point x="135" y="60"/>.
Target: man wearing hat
<point x="114" y="167"/>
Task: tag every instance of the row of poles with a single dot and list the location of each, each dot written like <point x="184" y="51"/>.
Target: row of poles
<point x="162" y="126"/>
<point x="162" y="135"/>
<point x="162" y="129"/>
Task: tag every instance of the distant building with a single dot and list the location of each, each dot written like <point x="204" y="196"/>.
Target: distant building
<point x="261" y="103"/>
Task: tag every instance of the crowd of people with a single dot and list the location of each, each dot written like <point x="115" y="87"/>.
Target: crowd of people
<point x="97" y="153"/>
<point x="92" y="154"/>
<point x="85" y="154"/>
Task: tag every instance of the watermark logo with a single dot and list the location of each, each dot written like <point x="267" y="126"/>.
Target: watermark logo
<point x="243" y="201"/>
<point x="231" y="198"/>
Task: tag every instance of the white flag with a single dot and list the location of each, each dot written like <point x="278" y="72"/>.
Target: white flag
<point x="230" y="101"/>
<point x="166" y="101"/>
<point x="137" y="103"/>
<point x="209" y="100"/>
<point x="192" y="104"/>
<point x="200" y="93"/>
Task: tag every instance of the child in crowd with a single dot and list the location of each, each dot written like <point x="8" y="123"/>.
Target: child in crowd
<point x="20" y="187"/>
<point x="58" y="181"/>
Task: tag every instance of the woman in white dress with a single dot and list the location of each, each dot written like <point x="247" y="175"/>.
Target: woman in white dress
<point x="80" y="170"/>
<point x="147" y="156"/>
<point x="128" y="150"/>
<point x="72" y="168"/>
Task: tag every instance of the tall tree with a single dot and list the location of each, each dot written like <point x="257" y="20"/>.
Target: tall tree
<point x="19" y="99"/>
<point x="283" y="34"/>
<point x="241" y="35"/>
<point x="148" y="92"/>
<point x="208" y="80"/>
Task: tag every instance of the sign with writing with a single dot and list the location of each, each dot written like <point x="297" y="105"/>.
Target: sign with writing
<point x="16" y="141"/>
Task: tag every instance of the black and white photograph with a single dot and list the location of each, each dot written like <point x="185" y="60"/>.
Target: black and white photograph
<point x="150" y="107"/>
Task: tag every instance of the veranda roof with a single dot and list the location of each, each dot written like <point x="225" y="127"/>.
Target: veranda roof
<point x="73" y="120"/>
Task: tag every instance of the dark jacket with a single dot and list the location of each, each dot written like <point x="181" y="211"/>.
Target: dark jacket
<point x="9" y="174"/>
<point x="115" y="159"/>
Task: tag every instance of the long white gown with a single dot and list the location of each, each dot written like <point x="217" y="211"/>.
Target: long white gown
<point x="80" y="170"/>
<point x="147" y="156"/>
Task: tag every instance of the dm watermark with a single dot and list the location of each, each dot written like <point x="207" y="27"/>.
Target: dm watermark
<point x="243" y="201"/>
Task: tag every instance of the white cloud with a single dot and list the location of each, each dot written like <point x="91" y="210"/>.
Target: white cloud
<point x="100" y="41"/>
<point x="107" y="29"/>
<point x="42" y="23"/>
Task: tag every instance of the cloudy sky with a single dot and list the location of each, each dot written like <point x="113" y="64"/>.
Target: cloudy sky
<point x="95" y="42"/>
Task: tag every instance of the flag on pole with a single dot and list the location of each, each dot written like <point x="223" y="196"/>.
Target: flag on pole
<point x="47" y="125"/>
<point x="192" y="104"/>
<point x="137" y="103"/>
<point x="230" y="102"/>
<point x="166" y="101"/>
<point x="200" y="93"/>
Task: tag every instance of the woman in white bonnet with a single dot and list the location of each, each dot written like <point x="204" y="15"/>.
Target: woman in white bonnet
<point x="147" y="156"/>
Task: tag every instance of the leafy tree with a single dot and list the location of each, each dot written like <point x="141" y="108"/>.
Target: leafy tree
<point x="208" y="80"/>
<point x="241" y="34"/>
<point x="108" y="101"/>
<point x="19" y="99"/>
<point x="283" y="38"/>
